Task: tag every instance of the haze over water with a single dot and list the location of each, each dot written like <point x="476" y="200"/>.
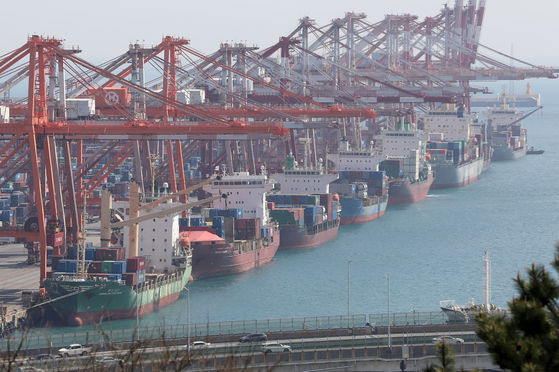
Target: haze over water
<point x="432" y="250"/>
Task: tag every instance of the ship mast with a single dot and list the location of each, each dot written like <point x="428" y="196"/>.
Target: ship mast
<point x="487" y="281"/>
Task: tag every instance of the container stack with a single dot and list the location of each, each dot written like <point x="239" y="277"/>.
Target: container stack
<point x="248" y="228"/>
<point x="218" y="224"/>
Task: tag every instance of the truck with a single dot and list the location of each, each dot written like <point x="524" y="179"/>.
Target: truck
<point x="74" y="350"/>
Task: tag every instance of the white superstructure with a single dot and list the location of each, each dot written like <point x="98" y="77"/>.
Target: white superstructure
<point x="158" y="238"/>
<point x="398" y="144"/>
<point x="453" y="123"/>
<point x="355" y="160"/>
<point x="306" y="180"/>
<point x="243" y="191"/>
<point x="503" y="115"/>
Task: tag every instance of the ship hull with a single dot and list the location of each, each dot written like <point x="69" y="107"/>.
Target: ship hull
<point x="354" y="210"/>
<point x="214" y="260"/>
<point x="97" y="301"/>
<point x="401" y="192"/>
<point x="294" y="236"/>
<point x="448" y="175"/>
<point x="508" y="153"/>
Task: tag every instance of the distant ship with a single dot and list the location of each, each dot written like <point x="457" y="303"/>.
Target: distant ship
<point x="409" y="174"/>
<point x="508" y="139"/>
<point x="308" y="214"/>
<point x="519" y="100"/>
<point x="458" y="150"/>
<point x="361" y="186"/>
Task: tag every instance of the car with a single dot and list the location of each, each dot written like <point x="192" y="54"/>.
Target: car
<point x="108" y="361"/>
<point x="43" y="357"/>
<point x="199" y="345"/>
<point x="254" y="337"/>
<point x="74" y="350"/>
<point x="29" y="369"/>
<point x="275" y="347"/>
<point x="447" y="340"/>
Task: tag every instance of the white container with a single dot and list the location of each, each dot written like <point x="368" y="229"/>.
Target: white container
<point x="80" y="108"/>
<point x="4" y="114"/>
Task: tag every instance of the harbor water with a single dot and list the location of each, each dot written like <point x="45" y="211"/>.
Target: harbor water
<point x="431" y="250"/>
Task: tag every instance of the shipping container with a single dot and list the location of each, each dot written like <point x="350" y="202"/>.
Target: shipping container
<point x="119" y="267"/>
<point x="134" y="264"/>
<point x="107" y="267"/>
<point x="95" y="267"/>
<point x="130" y="278"/>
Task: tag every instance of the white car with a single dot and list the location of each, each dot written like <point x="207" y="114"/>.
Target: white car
<point x="108" y="361"/>
<point x="275" y="347"/>
<point x="447" y="340"/>
<point x="199" y="345"/>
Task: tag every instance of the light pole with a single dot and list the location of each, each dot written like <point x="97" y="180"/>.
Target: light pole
<point x="348" y="294"/>
<point x="387" y="277"/>
<point x="188" y="310"/>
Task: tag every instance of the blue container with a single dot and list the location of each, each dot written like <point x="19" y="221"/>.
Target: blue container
<point x="71" y="265"/>
<point x="220" y="231"/>
<point x="214" y="212"/>
<point x="311" y="220"/>
<point x="311" y="211"/>
<point x="222" y="213"/>
<point x="119" y="267"/>
<point x="90" y="254"/>
<point x="116" y="277"/>
<point x="4" y="204"/>
<point x="183" y="222"/>
<point x="287" y="199"/>
<point x="7" y="215"/>
<point x="334" y="214"/>
<point x="197" y="221"/>
<point x="344" y="175"/>
<point x="141" y="276"/>
<point x="235" y="212"/>
<point x="218" y="222"/>
<point x="16" y="199"/>
<point x="304" y="199"/>
<point x="264" y="232"/>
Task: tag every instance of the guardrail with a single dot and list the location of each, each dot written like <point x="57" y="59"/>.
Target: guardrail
<point x="45" y="338"/>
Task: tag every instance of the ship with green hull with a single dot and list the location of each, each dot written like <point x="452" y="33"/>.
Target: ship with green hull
<point x="93" y="300"/>
<point x="85" y="296"/>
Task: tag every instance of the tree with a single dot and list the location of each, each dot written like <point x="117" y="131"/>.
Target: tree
<point x="527" y="339"/>
<point x="445" y="354"/>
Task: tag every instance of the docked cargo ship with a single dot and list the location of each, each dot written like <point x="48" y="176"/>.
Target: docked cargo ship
<point x="111" y="286"/>
<point x="305" y="220"/>
<point x="307" y="213"/>
<point x="361" y="187"/>
<point x="528" y="99"/>
<point x="457" y="149"/>
<point x="409" y="174"/>
<point x="241" y="236"/>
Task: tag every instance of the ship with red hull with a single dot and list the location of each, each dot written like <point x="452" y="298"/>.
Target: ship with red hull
<point x="235" y="242"/>
<point x="293" y="237"/>
<point x="403" y="191"/>
<point x="213" y="256"/>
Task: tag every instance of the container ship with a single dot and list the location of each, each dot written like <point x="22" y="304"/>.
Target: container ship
<point x="361" y="187"/>
<point x="508" y="139"/>
<point x="457" y="149"/>
<point x="519" y="100"/>
<point x="305" y="220"/>
<point x="97" y="284"/>
<point x="240" y="235"/>
<point x="308" y="214"/>
<point x="409" y="174"/>
<point x="363" y="195"/>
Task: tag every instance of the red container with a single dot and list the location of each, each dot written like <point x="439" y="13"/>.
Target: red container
<point x="114" y="254"/>
<point x="253" y="223"/>
<point x="241" y="223"/>
<point x="55" y="260"/>
<point x="242" y="235"/>
<point x="326" y="199"/>
<point x="55" y="240"/>
<point x="109" y="97"/>
<point x="95" y="267"/>
<point x="134" y="264"/>
<point x="130" y="278"/>
<point x="49" y="274"/>
<point x="100" y="254"/>
<point x="296" y="199"/>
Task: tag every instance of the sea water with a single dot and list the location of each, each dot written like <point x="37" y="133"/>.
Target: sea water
<point x="431" y="250"/>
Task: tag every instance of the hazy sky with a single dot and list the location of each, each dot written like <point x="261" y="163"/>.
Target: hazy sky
<point x="103" y="29"/>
